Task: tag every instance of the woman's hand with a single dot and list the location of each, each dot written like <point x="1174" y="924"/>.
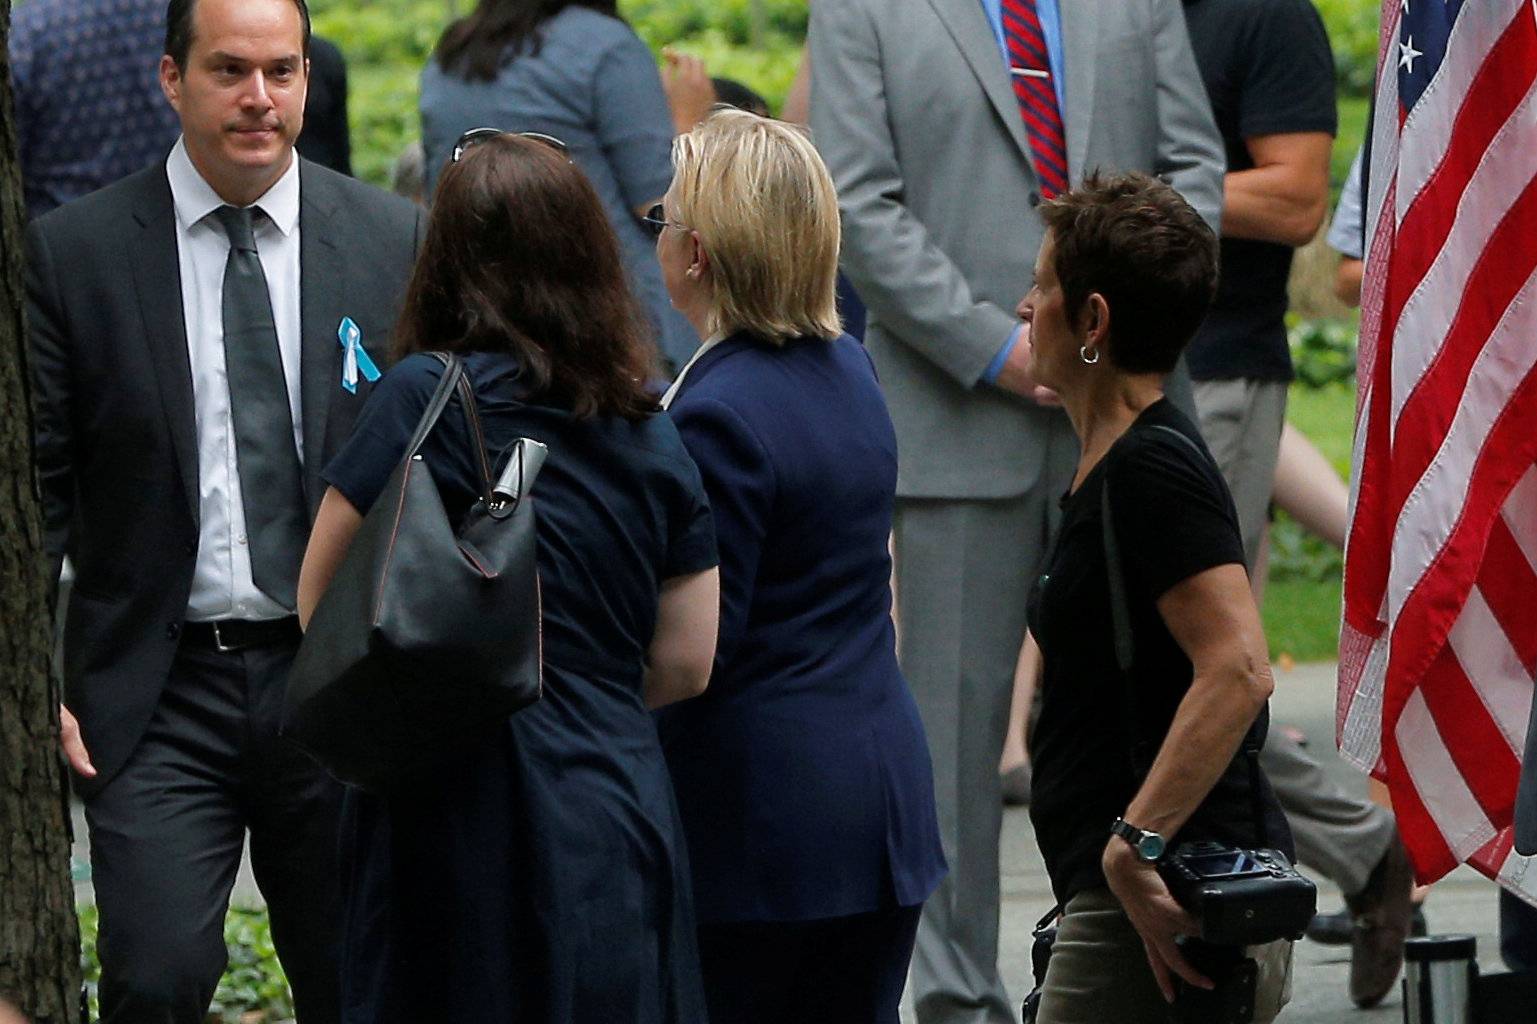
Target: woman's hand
<point x="1154" y="913"/>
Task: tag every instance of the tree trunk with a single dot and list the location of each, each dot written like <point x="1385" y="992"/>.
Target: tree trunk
<point x="39" y="935"/>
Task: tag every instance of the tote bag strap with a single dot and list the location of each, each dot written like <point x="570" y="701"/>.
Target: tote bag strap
<point x="456" y="377"/>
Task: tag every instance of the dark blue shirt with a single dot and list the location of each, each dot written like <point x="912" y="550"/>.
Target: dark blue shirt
<point x="89" y="109"/>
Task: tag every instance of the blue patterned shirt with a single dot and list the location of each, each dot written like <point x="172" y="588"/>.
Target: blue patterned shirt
<point x="89" y="109"/>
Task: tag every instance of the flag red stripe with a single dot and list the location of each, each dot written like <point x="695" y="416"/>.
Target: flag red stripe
<point x="1421" y="627"/>
<point x="1466" y="726"/>
<point x="1428" y="852"/>
<point x="1509" y="585"/>
<point x="1502" y="269"/>
<point x="1498" y="88"/>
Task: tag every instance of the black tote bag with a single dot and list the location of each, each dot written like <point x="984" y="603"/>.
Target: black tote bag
<point x="427" y="634"/>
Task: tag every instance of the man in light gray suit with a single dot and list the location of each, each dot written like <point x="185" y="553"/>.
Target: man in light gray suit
<point x="945" y="123"/>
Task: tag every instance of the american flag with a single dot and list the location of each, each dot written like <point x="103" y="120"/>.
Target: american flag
<point x="1439" y="642"/>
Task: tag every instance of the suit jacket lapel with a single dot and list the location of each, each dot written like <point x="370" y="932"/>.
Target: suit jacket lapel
<point x="153" y="255"/>
<point x="967" y="25"/>
<point x="321" y="296"/>
<point x="1080" y="28"/>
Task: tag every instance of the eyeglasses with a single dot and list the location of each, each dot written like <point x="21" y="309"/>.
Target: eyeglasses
<point x="656" y="221"/>
<point x="475" y="136"/>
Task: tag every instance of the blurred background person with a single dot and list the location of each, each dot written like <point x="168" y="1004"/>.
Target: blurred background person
<point x="539" y="875"/>
<point x="89" y="110"/>
<point x="1124" y="275"/>
<point x="576" y="71"/>
<point x="802" y="774"/>
<point x="326" y="138"/>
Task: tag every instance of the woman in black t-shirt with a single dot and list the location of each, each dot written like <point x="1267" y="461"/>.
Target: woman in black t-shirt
<point x="1125" y="273"/>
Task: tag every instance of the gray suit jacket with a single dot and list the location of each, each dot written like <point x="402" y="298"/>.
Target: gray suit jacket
<point x="116" y="434"/>
<point x="913" y="111"/>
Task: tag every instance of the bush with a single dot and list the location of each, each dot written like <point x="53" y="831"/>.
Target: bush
<point x="253" y="989"/>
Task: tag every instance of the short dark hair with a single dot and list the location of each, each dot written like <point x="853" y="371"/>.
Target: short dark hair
<point x="733" y="93"/>
<point x="178" y="28"/>
<point x="520" y="258"/>
<point x="1138" y="243"/>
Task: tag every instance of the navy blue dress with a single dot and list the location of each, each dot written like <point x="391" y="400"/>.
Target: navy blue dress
<point x="803" y="771"/>
<point x="540" y="875"/>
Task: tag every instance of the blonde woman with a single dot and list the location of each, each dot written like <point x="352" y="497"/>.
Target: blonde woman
<point x="803" y="773"/>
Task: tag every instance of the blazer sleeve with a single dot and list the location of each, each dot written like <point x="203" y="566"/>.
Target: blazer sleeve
<point x="739" y="480"/>
<point x="901" y="274"/>
<point x="52" y="434"/>
<point x="1190" y="153"/>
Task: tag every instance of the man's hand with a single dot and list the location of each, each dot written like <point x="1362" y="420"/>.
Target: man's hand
<point x="1015" y="375"/>
<point x="690" y="93"/>
<point x="1154" y="913"/>
<point x="74" y="747"/>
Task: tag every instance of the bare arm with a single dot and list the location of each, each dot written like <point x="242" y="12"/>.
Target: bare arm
<point x="1284" y="196"/>
<point x="1213" y="619"/>
<point x="1348" y="279"/>
<point x="336" y="524"/>
<point x="683" y="646"/>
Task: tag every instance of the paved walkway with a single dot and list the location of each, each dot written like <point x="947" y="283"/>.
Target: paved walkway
<point x="1463" y="902"/>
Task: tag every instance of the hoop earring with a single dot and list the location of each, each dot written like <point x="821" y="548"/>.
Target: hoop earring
<point x="1088" y="355"/>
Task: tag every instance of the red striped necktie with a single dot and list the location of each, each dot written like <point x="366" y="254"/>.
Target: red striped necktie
<point x="1030" y="73"/>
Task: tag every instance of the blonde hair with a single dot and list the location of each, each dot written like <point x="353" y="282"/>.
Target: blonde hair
<point x="767" y="214"/>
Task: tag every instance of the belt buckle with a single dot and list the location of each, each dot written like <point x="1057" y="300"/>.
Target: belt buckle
<point x="218" y="641"/>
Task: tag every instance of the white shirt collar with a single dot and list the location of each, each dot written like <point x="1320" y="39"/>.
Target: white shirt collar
<point x="195" y="199"/>
<point x="672" y="391"/>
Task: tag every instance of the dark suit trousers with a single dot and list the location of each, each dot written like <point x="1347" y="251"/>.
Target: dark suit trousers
<point x="166" y="839"/>
<point x="837" y="970"/>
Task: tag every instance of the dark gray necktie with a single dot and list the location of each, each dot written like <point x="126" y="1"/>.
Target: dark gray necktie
<point x="271" y="485"/>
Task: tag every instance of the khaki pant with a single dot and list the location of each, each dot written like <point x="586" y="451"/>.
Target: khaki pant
<point x="1099" y="971"/>
<point x="1241" y="421"/>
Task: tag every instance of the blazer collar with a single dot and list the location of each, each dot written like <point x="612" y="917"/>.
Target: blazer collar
<point x="967" y="24"/>
<point x="150" y="250"/>
<point x="728" y="346"/>
<point x="322" y="305"/>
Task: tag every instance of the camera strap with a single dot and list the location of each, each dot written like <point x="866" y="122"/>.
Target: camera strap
<point x="1125" y="646"/>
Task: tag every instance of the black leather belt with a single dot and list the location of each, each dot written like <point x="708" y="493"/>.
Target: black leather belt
<point x="237" y="634"/>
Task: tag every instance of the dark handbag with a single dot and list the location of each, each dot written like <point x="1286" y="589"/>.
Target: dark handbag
<point x="427" y="633"/>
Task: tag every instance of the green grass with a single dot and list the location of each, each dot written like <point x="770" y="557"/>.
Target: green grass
<point x="1302" y="614"/>
<point x="1302" y="619"/>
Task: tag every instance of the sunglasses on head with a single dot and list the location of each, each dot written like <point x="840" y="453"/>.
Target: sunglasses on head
<point x="475" y="136"/>
<point x="656" y="221"/>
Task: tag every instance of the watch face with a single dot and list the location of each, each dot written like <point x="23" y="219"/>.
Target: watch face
<point x="1150" y="846"/>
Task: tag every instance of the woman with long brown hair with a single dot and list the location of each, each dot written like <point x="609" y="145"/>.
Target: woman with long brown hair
<point x="539" y="874"/>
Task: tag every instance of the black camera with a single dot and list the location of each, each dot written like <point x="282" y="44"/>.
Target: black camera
<point x="1240" y="897"/>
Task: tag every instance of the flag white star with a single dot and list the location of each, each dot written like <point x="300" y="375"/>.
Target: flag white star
<point x="1405" y="4"/>
<point x="1406" y="55"/>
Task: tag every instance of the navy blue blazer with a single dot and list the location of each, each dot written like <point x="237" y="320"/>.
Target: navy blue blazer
<point x="802" y="773"/>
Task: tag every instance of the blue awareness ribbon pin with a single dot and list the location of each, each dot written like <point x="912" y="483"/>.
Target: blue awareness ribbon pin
<point x="355" y="358"/>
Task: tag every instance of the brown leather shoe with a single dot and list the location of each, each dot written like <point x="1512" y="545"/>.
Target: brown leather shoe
<point x="1383" y="914"/>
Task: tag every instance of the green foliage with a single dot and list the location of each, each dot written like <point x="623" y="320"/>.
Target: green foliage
<point x="1323" y="351"/>
<point x="253" y="989"/>
<point x="1353" y="27"/>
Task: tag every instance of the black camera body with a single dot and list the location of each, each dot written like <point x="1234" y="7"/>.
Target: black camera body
<point x="1241" y="897"/>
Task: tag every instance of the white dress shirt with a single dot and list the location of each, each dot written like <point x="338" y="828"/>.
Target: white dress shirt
<point x="221" y="582"/>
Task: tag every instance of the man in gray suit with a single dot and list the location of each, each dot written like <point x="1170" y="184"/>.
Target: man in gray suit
<point x="945" y="123"/>
<point x="187" y="327"/>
